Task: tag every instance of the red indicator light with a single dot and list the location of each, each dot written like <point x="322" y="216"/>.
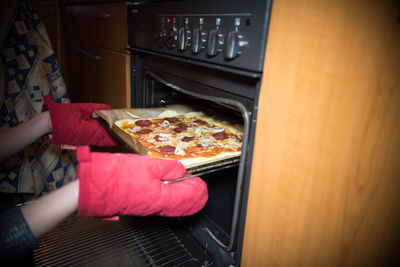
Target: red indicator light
<point x="168" y="20"/>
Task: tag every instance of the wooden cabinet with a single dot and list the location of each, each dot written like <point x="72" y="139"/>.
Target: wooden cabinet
<point x="98" y="75"/>
<point x="97" y="60"/>
<point x="103" y="25"/>
<point x="325" y="182"/>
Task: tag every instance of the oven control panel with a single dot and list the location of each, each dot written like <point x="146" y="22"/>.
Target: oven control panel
<point x="208" y="34"/>
<point x="235" y="37"/>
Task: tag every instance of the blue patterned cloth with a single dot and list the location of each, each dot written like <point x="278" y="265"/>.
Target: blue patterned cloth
<point x="29" y="70"/>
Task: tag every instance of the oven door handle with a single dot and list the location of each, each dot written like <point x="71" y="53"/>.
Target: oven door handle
<point x="246" y="128"/>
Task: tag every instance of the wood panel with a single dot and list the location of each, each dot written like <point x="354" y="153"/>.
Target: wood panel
<point x="98" y="75"/>
<point x="103" y="25"/>
<point x="97" y="60"/>
<point x="112" y="84"/>
<point x="325" y="182"/>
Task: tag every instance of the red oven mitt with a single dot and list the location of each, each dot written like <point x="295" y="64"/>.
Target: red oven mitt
<point x="130" y="184"/>
<point x="73" y="124"/>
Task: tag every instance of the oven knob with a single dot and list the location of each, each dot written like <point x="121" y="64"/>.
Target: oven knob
<point x="235" y="41"/>
<point x="170" y="41"/>
<point x="196" y="47"/>
<point x="198" y="40"/>
<point x="184" y="37"/>
<point x="215" y="41"/>
<point x="199" y="37"/>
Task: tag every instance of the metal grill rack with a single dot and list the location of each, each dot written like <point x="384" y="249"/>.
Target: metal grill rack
<point x="131" y="241"/>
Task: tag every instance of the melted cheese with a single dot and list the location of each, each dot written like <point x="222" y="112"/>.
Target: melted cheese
<point x="179" y="151"/>
<point x="165" y="123"/>
<point x="217" y="130"/>
<point x="206" y="141"/>
<point x="135" y="129"/>
<point x="164" y="136"/>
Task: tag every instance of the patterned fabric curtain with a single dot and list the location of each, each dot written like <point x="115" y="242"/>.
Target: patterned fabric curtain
<point x="29" y="70"/>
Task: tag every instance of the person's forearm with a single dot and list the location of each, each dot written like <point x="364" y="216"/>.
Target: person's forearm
<point x="16" y="138"/>
<point x="48" y="211"/>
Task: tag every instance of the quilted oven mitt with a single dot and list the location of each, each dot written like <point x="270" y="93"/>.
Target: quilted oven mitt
<point x="112" y="184"/>
<point x="73" y="124"/>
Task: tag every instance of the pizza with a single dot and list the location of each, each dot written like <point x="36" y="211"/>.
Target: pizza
<point x="185" y="136"/>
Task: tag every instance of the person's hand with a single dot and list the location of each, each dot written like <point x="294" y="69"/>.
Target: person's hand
<point x="73" y="124"/>
<point x="130" y="184"/>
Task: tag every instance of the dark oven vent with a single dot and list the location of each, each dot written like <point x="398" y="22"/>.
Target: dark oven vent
<point x="131" y="241"/>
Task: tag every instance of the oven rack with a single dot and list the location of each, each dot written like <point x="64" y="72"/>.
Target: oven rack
<point x="131" y="241"/>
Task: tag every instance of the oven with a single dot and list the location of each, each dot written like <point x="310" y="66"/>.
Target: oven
<point x="205" y="54"/>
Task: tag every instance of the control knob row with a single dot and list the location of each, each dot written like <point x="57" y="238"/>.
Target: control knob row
<point x="198" y="40"/>
<point x="215" y="43"/>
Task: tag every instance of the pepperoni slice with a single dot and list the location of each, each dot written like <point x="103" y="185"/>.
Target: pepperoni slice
<point x="181" y="127"/>
<point x="144" y="131"/>
<point x="220" y="135"/>
<point x="172" y="119"/>
<point x="187" y="138"/>
<point x="143" y="123"/>
<point x="167" y="149"/>
<point x="200" y="122"/>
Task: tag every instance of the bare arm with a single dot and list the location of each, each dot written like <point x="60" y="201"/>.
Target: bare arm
<point x="16" y="138"/>
<point x="50" y="210"/>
